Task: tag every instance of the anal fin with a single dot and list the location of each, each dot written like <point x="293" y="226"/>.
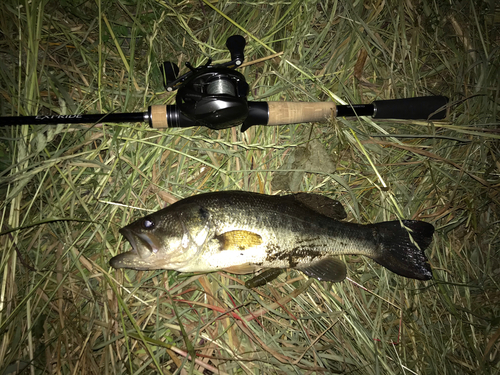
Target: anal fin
<point x="327" y="269"/>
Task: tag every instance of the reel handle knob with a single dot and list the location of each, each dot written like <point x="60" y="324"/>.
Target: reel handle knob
<point x="236" y="45"/>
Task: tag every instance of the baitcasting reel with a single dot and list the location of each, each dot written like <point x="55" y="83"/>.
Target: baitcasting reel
<point x="210" y="95"/>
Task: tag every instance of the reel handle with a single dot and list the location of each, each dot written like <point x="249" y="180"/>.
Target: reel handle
<point x="236" y="46"/>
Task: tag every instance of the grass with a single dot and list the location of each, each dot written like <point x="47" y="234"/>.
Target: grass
<point x="66" y="190"/>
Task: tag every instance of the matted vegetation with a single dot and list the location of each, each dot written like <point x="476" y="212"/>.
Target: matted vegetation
<point x="66" y="190"/>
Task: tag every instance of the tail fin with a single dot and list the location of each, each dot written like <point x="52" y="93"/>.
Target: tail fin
<point x="398" y="253"/>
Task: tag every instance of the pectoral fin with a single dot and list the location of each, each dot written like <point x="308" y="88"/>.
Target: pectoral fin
<point x="326" y="269"/>
<point x="239" y="240"/>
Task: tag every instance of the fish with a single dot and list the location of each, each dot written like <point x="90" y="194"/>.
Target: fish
<point x="244" y="232"/>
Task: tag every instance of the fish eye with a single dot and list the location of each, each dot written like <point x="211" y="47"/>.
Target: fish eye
<point x="148" y="223"/>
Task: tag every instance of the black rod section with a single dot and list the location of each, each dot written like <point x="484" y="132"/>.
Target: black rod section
<point x="74" y="119"/>
<point x="433" y="107"/>
<point x="355" y="110"/>
<point x="419" y="108"/>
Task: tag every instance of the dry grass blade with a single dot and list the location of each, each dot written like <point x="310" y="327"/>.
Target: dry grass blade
<point x="66" y="190"/>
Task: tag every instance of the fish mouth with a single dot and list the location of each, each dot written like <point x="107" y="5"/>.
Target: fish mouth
<point x="137" y="258"/>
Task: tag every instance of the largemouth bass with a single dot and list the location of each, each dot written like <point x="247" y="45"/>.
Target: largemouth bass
<point x="243" y="232"/>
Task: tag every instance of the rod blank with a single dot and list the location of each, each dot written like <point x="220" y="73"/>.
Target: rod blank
<point x="74" y="119"/>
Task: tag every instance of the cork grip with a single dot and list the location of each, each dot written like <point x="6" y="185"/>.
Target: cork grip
<point x="282" y="113"/>
<point x="159" y="116"/>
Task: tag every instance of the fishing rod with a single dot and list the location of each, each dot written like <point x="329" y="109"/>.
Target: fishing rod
<point x="215" y="96"/>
